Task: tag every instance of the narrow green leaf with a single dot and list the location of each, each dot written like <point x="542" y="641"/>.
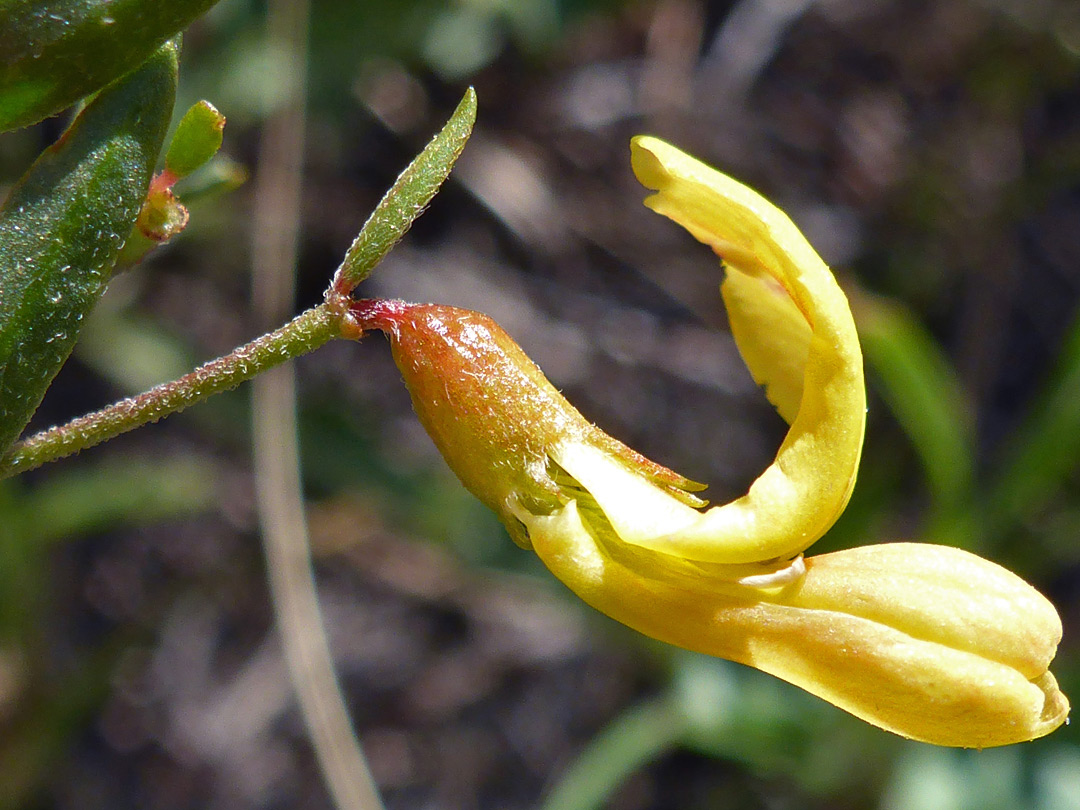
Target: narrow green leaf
<point x="639" y="735"/>
<point x="113" y="493"/>
<point x="55" y="52"/>
<point x="196" y="140"/>
<point x="64" y="224"/>
<point x="921" y="388"/>
<point x="1046" y="448"/>
<point x="407" y="198"/>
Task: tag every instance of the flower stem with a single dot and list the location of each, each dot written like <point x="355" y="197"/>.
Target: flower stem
<point x="305" y="333"/>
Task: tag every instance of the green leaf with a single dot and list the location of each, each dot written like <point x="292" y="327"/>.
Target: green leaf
<point x="64" y="224"/>
<point x="196" y="140"/>
<point x="55" y="52"/>
<point x="407" y="198"/>
<point x="921" y="388"/>
<point x="642" y="733"/>
<point x="1046" y="448"/>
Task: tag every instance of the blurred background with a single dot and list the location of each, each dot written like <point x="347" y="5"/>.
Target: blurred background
<point x="929" y="150"/>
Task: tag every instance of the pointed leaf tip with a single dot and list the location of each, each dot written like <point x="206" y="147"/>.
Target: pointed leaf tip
<point x="407" y="198"/>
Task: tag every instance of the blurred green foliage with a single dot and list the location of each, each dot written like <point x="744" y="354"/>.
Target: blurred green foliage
<point x="54" y="704"/>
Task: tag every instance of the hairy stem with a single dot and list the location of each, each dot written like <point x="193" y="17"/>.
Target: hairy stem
<point x="305" y="333"/>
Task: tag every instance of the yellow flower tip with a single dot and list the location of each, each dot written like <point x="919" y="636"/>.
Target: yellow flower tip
<point x="951" y="659"/>
<point x="930" y="642"/>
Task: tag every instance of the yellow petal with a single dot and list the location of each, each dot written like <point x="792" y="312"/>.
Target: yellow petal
<point x="804" y="349"/>
<point x="940" y="593"/>
<point x="772" y="335"/>
<point x="872" y="665"/>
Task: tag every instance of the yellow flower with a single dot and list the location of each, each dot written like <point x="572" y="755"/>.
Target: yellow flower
<point x="929" y="642"/>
